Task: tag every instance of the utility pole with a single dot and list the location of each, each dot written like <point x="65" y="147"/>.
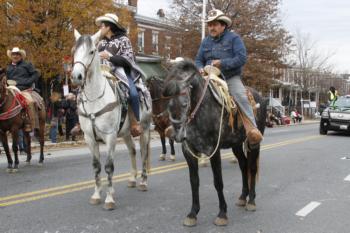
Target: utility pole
<point x="203" y="18"/>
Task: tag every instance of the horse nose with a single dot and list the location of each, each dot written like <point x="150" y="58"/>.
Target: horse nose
<point x="80" y="77"/>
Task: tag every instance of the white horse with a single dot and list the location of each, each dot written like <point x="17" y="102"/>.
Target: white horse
<point x="100" y="113"/>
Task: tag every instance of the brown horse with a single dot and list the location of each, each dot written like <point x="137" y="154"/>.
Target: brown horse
<point x="160" y="114"/>
<point x="12" y="119"/>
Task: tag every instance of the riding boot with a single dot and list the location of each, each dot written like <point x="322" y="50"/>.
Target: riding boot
<point x="254" y="135"/>
<point x="135" y="126"/>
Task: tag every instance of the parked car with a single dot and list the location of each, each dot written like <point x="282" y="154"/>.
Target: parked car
<point x="337" y="117"/>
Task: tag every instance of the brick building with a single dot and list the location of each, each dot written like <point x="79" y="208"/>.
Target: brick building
<point x="156" y="36"/>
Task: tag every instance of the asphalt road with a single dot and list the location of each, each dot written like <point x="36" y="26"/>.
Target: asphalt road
<point x="304" y="186"/>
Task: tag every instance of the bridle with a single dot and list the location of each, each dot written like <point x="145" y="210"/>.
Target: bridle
<point x="86" y="67"/>
<point x="190" y="115"/>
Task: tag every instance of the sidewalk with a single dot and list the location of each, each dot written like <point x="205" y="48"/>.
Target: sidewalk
<point x="304" y="122"/>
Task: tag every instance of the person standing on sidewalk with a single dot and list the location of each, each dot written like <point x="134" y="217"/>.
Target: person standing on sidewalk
<point x="225" y="50"/>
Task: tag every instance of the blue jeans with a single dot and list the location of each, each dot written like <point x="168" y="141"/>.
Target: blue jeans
<point x="54" y="129"/>
<point x="134" y="98"/>
<point x="21" y="141"/>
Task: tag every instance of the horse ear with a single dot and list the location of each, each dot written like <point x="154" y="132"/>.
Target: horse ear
<point x="96" y="37"/>
<point x="76" y="34"/>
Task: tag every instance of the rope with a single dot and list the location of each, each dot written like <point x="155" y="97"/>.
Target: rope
<point x="217" y="145"/>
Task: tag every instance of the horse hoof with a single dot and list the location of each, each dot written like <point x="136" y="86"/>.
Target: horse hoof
<point x="142" y="187"/>
<point x="162" y="157"/>
<point x="15" y="170"/>
<point x="131" y="184"/>
<point x="94" y="201"/>
<point x="190" y="222"/>
<point x="40" y="164"/>
<point x="9" y="170"/>
<point x="221" y="221"/>
<point x="109" y="206"/>
<point x="241" y="203"/>
<point x="250" y="207"/>
<point x="172" y="158"/>
<point x="233" y="160"/>
<point x="27" y="162"/>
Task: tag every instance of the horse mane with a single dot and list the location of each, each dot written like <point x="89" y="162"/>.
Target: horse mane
<point x="179" y="72"/>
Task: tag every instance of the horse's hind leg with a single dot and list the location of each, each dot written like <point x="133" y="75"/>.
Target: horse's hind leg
<point x="253" y="163"/>
<point x="172" y="155"/>
<point x="41" y="137"/>
<point x="96" y="164"/>
<point x="129" y="142"/>
<point x="215" y="162"/>
<point x="242" y="160"/>
<point x="145" y="156"/>
<point x="27" y="140"/>
<point x="7" y="151"/>
<point x="191" y="219"/>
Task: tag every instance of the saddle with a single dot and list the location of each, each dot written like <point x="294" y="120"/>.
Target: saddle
<point x="219" y="89"/>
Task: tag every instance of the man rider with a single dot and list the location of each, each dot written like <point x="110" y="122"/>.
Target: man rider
<point x="25" y="75"/>
<point x="225" y="50"/>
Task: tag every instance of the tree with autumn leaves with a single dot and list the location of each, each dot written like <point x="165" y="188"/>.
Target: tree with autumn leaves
<point x="44" y="28"/>
<point x="258" y="23"/>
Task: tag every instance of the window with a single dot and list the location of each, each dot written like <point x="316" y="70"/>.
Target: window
<point x="155" y="42"/>
<point x="141" y="41"/>
<point x="167" y="47"/>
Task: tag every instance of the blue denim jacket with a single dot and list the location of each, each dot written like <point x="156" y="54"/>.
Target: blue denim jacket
<point x="228" y="48"/>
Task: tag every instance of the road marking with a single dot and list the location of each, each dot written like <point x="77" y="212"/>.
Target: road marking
<point x="308" y="208"/>
<point x="345" y="158"/>
<point x="60" y="190"/>
<point x="347" y="178"/>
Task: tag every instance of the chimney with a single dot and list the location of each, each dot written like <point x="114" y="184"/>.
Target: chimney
<point x="161" y="13"/>
<point x="132" y="3"/>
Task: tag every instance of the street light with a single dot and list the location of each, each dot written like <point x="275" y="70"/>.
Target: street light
<point x="203" y="18"/>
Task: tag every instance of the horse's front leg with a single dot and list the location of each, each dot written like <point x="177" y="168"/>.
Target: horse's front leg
<point x="191" y="219"/>
<point x="96" y="164"/>
<point x="14" y="133"/>
<point x="242" y="161"/>
<point x="109" y="168"/>
<point x="253" y="165"/>
<point x="7" y="152"/>
<point x="129" y="142"/>
<point x="215" y="162"/>
<point x="145" y="156"/>
<point x="172" y="150"/>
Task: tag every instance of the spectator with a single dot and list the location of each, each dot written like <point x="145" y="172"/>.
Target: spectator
<point x="70" y="107"/>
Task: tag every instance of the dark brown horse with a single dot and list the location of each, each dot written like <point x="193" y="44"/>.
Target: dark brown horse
<point x="12" y="119"/>
<point x="160" y="115"/>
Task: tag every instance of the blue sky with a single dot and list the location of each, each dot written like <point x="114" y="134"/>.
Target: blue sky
<point x="327" y="22"/>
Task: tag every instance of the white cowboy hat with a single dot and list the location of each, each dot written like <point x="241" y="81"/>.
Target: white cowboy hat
<point x="218" y="15"/>
<point x="16" y="50"/>
<point x="109" y="17"/>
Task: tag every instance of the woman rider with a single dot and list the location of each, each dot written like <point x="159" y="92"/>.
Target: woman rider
<point x="116" y="50"/>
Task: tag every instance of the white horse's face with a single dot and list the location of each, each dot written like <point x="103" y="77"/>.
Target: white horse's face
<point x="84" y="55"/>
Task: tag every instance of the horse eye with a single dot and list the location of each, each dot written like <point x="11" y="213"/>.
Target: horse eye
<point x="92" y="52"/>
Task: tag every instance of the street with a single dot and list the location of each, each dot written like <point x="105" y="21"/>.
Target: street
<point x="304" y="186"/>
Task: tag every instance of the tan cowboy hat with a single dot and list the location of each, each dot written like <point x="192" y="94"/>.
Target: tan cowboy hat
<point x="16" y="50"/>
<point x="109" y="17"/>
<point x="218" y="15"/>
